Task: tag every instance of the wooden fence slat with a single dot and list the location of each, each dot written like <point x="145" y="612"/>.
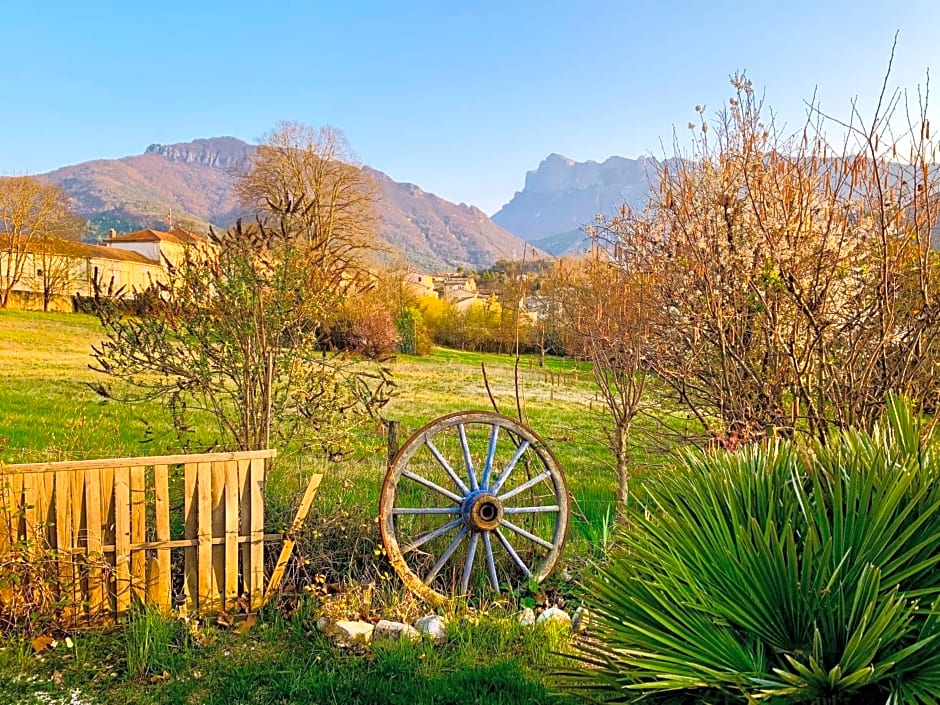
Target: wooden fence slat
<point x="288" y="546"/>
<point x="244" y="523"/>
<point x="7" y="514"/>
<point x="190" y="565"/>
<point x="231" y="535"/>
<point x="122" y="539"/>
<point x="138" y="531"/>
<point x="63" y="542"/>
<point x="106" y="481"/>
<point x="130" y="462"/>
<point x="94" y="552"/>
<point x="47" y="514"/>
<point x="159" y="591"/>
<point x="79" y="538"/>
<point x="218" y="530"/>
<point x="204" y="599"/>
<point x="31" y="500"/>
<point x="256" y="507"/>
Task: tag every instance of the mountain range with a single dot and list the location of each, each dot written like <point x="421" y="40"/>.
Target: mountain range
<point x="192" y="182"/>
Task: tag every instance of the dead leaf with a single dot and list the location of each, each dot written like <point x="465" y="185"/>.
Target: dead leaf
<point x="246" y="624"/>
<point x="41" y="642"/>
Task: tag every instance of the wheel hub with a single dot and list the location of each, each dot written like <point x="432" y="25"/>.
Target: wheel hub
<point x="481" y="511"/>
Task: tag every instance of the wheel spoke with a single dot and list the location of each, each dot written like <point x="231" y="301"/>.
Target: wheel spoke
<point x="526" y="485"/>
<point x="445" y="556"/>
<point x="532" y="537"/>
<point x="426" y="510"/>
<point x="466" y="457"/>
<point x="512" y="552"/>
<point x="431" y="485"/>
<point x="440" y="531"/>
<point x="490" y="563"/>
<point x="490" y="454"/>
<point x="433" y="532"/>
<point x="531" y="510"/>
<point x="512" y="463"/>
<point x="447" y="468"/>
<point x="468" y="566"/>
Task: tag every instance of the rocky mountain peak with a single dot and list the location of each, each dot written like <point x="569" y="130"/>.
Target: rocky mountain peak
<point x="218" y="152"/>
<point x="561" y="196"/>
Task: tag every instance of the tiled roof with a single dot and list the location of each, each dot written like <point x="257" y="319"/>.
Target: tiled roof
<point x="175" y="235"/>
<point x="70" y="248"/>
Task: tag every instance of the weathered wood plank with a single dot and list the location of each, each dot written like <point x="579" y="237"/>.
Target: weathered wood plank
<point x="106" y="482"/>
<point x="63" y="535"/>
<point x="31" y="522"/>
<point x="79" y="583"/>
<point x="205" y="599"/>
<point x="244" y="523"/>
<point x="287" y="548"/>
<point x="138" y="531"/>
<point x="256" y="508"/>
<point x="122" y="539"/>
<point x="218" y="530"/>
<point x="130" y="462"/>
<point x="231" y="534"/>
<point x="159" y="591"/>
<point x="190" y="563"/>
<point x="185" y="543"/>
<point x="94" y="545"/>
<point x="47" y="513"/>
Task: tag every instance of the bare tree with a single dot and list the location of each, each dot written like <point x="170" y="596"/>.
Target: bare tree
<point x="606" y="302"/>
<point x="309" y="178"/>
<point x="31" y="214"/>
<point x="794" y="280"/>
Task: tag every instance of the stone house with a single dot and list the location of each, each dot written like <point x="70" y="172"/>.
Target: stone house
<point x="46" y="273"/>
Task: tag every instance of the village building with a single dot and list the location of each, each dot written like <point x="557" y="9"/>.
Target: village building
<point x="49" y="273"/>
<point x="157" y="245"/>
<point x="420" y="284"/>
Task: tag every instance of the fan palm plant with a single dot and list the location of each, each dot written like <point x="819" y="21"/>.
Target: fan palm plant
<point x="777" y="574"/>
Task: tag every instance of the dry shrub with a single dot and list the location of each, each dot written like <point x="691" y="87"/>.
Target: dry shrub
<point x="34" y="595"/>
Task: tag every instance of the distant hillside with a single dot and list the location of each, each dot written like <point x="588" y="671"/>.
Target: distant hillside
<point x="562" y="196"/>
<point x="193" y="182"/>
<point x="433" y="231"/>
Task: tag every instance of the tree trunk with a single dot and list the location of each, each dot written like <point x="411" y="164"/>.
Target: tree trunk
<point x="621" y="433"/>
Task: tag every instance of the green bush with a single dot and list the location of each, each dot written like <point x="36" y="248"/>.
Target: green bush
<point x="413" y="335"/>
<point x="777" y="574"/>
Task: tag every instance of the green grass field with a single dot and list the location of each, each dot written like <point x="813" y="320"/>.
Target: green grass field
<point x="49" y="412"/>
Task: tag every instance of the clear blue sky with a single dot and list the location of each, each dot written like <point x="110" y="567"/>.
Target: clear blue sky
<point x="461" y="98"/>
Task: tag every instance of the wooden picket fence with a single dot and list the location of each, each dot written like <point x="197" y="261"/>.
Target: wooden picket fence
<point x="109" y="528"/>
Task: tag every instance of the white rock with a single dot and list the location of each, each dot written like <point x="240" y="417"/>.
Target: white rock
<point x="579" y="621"/>
<point x="432" y="625"/>
<point x="526" y="617"/>
<point x="323" y="624"/>
<point x="394" y="630"/>
<point x="555" y="615"/>
<point x="353" y="632"/>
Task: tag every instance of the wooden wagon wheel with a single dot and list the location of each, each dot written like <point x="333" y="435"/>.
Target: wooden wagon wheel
<point x="468" y="479"/>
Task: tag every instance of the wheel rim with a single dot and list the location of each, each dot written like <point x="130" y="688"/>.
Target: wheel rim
<point x="473" y="501"/>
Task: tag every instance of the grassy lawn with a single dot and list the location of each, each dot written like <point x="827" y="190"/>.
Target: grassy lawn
<point x="49" y="412"/>
<point x="287" y="661"/>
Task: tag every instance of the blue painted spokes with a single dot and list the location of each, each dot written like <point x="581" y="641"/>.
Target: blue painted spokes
<point x="480" y="498"/>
